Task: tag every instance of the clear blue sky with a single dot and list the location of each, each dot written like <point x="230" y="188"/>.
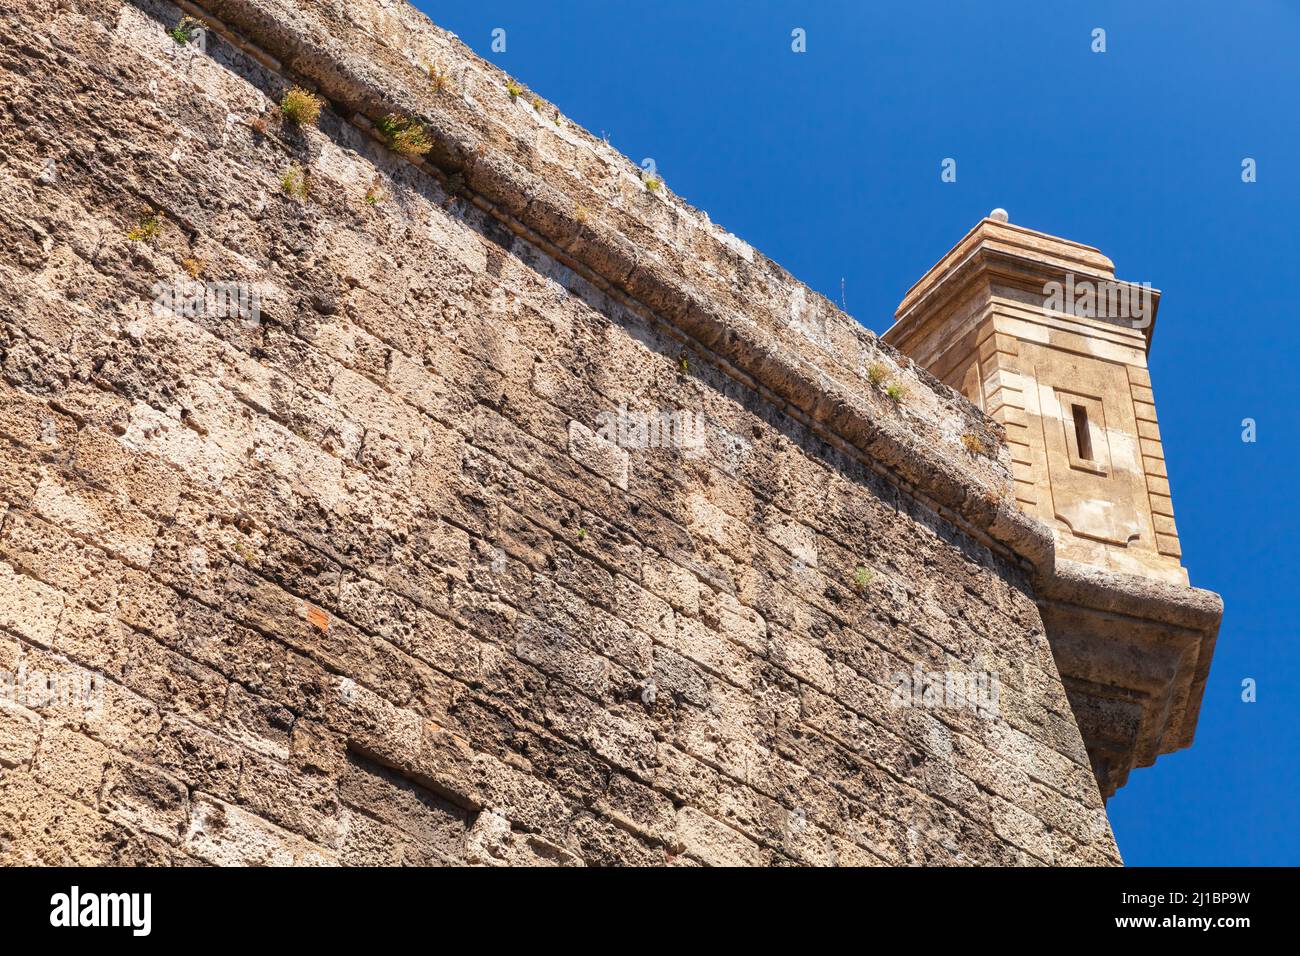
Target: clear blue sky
<point x="829" y="162"/>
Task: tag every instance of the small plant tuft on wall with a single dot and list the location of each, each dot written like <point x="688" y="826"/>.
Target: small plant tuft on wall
<point x="976" y="444"/>
<point x="897" y="393"/>
<point x="862" y="576"/>
<point x="514" y="89"/>
<point x="148" y="229"/>
<point x="183" y="32"/>
<point x="877" y="374"/>
<point x="295" y="182"/>
<point x="404" y="135"/>
<point x="301" y="107"/>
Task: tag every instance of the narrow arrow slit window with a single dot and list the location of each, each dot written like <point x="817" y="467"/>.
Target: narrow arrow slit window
<point x="1081" y="434"/>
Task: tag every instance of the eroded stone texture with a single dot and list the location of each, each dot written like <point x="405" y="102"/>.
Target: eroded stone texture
<point x="363" y="579"/>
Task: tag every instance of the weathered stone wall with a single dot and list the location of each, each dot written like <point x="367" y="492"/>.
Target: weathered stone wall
<point x="364" y="584"/>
